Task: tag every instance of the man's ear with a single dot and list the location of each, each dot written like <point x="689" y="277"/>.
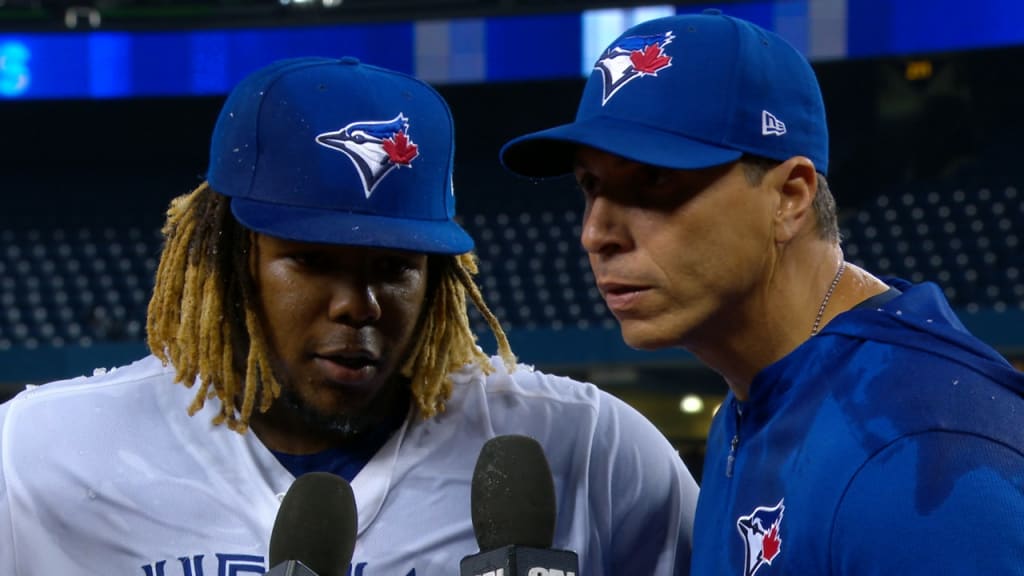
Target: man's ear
<point x="796" y="183"/>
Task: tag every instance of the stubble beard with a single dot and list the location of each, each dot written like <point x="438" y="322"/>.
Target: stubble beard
<point x="393" y="397"/>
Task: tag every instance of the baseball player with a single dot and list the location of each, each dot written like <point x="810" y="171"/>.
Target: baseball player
<point x="866" y="431"/>
<point x="309" y="314"/>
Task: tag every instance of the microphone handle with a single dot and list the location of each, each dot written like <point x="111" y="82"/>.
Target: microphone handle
<point x="520" y="561"/>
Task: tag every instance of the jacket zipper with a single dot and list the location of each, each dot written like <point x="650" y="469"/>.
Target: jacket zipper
<point x="734" y="444"/>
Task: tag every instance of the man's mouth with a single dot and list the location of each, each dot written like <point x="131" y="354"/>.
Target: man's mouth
<point x="347" y="367"/>
<point x="621" y="297"/>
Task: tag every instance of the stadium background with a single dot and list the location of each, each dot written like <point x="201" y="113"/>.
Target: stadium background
<point x="106" y="110"/>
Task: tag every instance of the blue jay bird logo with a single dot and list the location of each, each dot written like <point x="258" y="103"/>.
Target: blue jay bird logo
<point x="375" y="147"/>
<point x="630" y="58"/>
<point x="760" y="532"/>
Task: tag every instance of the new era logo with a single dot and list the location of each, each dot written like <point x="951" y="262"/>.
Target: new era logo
<point x="770" y="125"/>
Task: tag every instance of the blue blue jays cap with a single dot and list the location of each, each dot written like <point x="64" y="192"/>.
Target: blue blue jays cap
<point x="335" y="151"/>
<point x="688" y="92"/>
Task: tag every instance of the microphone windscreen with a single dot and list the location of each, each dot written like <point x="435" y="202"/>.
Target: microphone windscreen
<point x="316" y="524"/>
<point x="512" y="499"/>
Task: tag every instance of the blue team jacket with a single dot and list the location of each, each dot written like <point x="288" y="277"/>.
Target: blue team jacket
<point x="891" y="443"/>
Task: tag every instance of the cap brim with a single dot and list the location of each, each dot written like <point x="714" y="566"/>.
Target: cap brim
<point x="350" y="228"/>
<point x="552" y="152"/>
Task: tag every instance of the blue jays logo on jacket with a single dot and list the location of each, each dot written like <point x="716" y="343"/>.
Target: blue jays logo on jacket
<point x="761" y="534"/>
<point x="375" y="147"/>
<point x="633" y="57"/>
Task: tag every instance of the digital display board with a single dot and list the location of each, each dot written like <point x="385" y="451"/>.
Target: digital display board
<point x="122" y="64"/>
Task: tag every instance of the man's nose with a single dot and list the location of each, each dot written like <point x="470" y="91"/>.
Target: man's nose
<point x="602" y="231"/>
<point x="354" y="302"/>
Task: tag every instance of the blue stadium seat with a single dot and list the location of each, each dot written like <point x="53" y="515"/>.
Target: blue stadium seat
<point x="74" y="287"/>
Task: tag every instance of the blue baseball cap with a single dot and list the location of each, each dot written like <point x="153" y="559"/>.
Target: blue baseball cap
<point x="688" y="92"/>
<point x="335" y="151"/>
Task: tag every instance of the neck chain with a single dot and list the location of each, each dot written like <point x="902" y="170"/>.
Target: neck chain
<point x="828" y="296"/>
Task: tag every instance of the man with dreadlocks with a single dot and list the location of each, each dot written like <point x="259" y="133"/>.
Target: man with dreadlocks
<point x="309" y="314"/>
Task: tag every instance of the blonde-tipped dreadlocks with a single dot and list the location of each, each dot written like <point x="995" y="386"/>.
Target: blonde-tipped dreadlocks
<point x="202" y="316"/>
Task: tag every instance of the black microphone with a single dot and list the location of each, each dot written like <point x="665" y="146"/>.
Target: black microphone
<point x="314" y="533"/>
<point x="512" y="501"/>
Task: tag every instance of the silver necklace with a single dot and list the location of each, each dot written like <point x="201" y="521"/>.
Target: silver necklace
<point x="828" y="296"/>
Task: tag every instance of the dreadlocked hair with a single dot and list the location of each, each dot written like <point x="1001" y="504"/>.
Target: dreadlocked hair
<point x="445" y="341"/>
<point x="203" y="318"/>
<point x="198" y="319"/>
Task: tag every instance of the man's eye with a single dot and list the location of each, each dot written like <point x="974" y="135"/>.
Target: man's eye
<point x="585" y="184"/>
<point x="652" y="177"/>
<point x="395" y="266"/>
<point x="307" y="260"/>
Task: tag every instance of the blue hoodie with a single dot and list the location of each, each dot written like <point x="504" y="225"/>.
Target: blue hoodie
<point x="891" y="443"/>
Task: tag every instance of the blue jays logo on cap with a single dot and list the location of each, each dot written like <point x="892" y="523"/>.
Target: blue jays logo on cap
<point x="375" y="147"/>
<point x="632" y="57"/>
<point x="760" y="532"/>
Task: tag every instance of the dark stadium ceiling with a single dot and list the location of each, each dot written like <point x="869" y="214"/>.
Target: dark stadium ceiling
<point x="32" y="15"/>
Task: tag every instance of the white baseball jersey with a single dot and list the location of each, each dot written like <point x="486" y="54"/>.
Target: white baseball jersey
<point x="109" y="475"/>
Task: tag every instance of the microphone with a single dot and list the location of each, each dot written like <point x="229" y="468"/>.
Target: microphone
<point x="314" y="533"/>
<point x="512" y="502"/>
